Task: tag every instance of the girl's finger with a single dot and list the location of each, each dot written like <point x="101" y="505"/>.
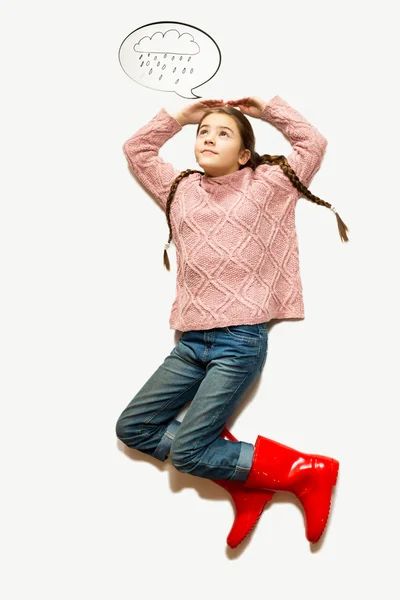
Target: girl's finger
<point x="240" y="100"/>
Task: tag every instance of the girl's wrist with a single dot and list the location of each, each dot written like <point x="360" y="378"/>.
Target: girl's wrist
<point x="180" y="118"/>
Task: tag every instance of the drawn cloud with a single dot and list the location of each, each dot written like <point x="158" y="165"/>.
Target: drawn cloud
<point x="170" y="42"/>
<point x="170" y="57"/>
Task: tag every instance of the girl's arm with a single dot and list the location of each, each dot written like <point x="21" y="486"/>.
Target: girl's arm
<point x="308" y="143"/>
<point x="141" y="151"/>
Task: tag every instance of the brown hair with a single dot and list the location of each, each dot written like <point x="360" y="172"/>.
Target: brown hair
<point x="248" y="142"/>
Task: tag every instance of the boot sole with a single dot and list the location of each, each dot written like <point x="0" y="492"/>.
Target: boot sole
<point x="334" y="476"/>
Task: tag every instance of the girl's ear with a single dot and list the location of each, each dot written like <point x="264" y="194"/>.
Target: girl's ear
<point x="245" y="157"/>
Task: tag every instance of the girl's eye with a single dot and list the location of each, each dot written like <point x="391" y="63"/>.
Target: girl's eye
<point x="203" y="130"/>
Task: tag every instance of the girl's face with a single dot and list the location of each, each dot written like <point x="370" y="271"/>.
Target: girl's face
<point x="219" y="134"/>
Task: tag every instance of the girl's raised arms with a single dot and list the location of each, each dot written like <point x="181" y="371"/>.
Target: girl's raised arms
<point x="195" y="111"/>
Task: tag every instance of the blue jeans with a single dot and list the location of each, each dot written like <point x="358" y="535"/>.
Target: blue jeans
<point x="213" y="369"/>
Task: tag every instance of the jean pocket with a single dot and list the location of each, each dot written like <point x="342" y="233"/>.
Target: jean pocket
<point x="250" y="333"/>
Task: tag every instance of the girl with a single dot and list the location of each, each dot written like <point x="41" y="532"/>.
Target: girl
<point x="237" y="268"/>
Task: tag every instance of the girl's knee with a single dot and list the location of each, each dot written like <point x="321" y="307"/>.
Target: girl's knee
<point x="127" y="431"/>
<point x="121" y="429"/>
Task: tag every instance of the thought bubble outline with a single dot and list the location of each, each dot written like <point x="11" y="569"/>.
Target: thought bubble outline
<point x="162" y="35"/>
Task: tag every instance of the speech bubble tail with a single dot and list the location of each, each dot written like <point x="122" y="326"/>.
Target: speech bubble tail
<point x="188" y="95"/>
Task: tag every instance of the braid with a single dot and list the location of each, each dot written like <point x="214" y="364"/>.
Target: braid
<point x="254" y="161"/>
<point x="168" y="209"/>
<point x="287" y="169"/>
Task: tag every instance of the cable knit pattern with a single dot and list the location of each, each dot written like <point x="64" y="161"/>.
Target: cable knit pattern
<point x="235" y="238"/>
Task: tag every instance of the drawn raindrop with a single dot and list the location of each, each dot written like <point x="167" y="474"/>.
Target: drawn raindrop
<point x="164" y="67"/>
<point x="147" y="64"/>
<point x="177" y="81"/>
<point x="159" y="79"/>
<point x="184" y="71"/>
<point x="140" y="56"/>
<point x="158" y="64"/>
<point x="150" y="72"/>
<point x="189" y="58"/>
<point x="173" y="58"/>
<point x="142" y="63"/>
<point x="191" y="71"/>
<point x="174" y="70"/>
<point x="148" y="54"/>
<point x="181" y="58"/>
<point x="165" y="56"/>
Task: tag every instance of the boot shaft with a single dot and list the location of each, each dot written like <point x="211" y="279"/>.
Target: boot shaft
<point x="310" y="477"/>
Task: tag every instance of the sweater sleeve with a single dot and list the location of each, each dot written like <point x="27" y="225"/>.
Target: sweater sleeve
<point x="308" y="143"/>
<point x="141" y="151"/>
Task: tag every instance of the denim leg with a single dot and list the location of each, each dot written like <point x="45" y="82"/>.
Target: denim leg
<point x="197" y="447"/>
<point x="212" y="370"/>
<point x="235" y="364"/>
<point x="147" y="423"/>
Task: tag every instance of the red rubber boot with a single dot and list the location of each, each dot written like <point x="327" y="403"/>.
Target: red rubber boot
<point x="310" y="477"/>
<point x="249" y="503"/>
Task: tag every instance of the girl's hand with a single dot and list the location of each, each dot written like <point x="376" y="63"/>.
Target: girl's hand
<point x="252" y="106"/>
<point x="193" y="113"/>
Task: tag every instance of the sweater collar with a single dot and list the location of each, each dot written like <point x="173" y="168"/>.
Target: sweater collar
<point x="236" y="176"/>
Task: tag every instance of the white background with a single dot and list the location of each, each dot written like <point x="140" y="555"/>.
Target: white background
<point x="85" y="303"/>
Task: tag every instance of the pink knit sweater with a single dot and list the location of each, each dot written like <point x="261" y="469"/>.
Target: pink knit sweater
<point x="236" y="244"/>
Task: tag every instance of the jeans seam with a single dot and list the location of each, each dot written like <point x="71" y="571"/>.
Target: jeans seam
<point x="243" y="338"/>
